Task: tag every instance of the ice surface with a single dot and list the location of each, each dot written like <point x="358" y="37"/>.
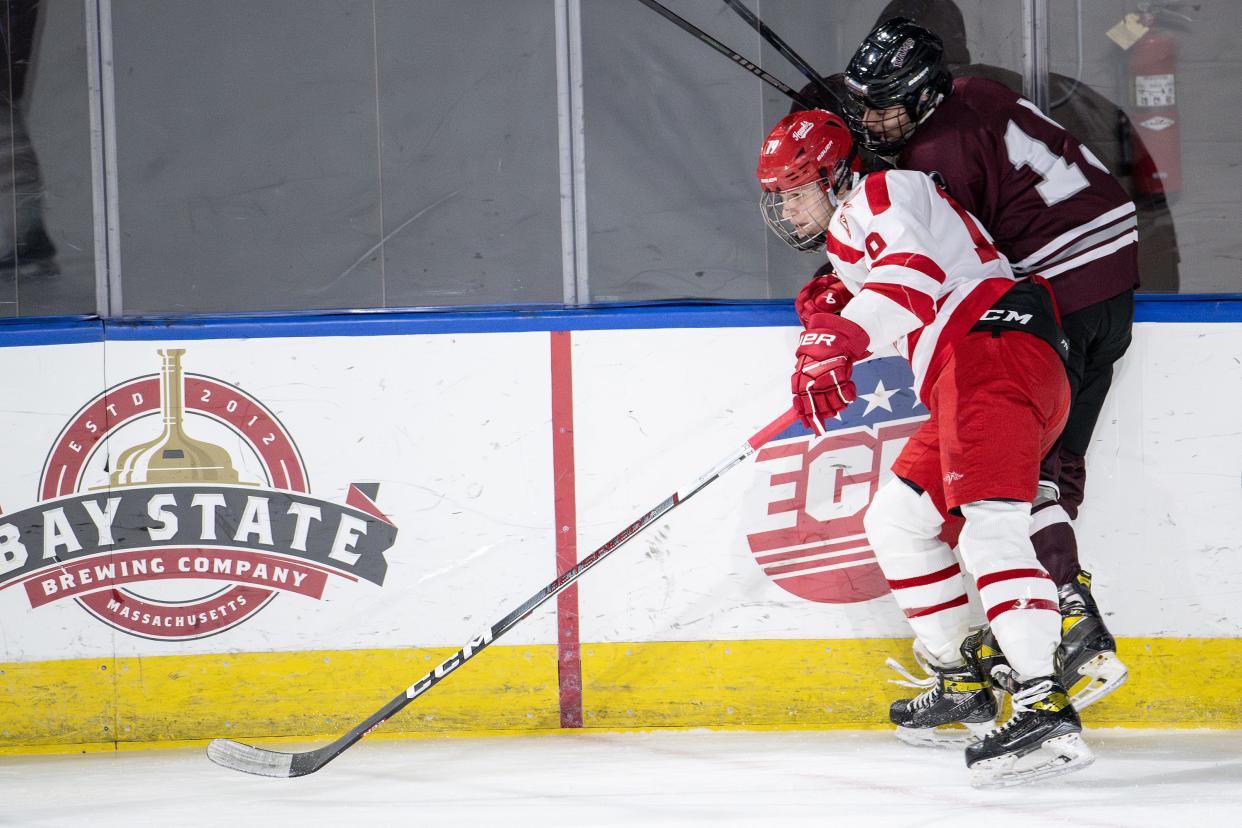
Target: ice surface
<point x="673" y="778"/>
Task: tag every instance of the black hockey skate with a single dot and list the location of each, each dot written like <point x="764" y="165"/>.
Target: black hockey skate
<point x="1042" y="739"/>
<point x="985" y="651"/>
<point x="1088" y="665"/>
<point x="956" y="709"/>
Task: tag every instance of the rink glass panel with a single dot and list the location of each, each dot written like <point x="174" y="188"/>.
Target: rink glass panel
<point x="673" y="135"/>
<point x="337" y="154"/>
<point x="1188" y="237"/>
<point x="358" y="154"/>
<point x="45" y="162"/>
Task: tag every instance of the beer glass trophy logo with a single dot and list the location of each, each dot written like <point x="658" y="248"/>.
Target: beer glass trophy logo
<point x="812" y="542"/>
<point x="173" y="543"/>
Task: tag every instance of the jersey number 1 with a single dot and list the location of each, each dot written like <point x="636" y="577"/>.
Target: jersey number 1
<point x="1059" y="178"/>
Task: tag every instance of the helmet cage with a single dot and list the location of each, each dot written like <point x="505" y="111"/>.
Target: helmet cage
<point x="772" y="205"/>
<point x="829" y="184"/>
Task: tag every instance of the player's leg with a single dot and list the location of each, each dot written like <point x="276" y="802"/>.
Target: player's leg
<point x="903" y="524"/>
<point x="1099" y="335"/>
<point x="1042" y="738"/>
<point x="1009" y="400"/>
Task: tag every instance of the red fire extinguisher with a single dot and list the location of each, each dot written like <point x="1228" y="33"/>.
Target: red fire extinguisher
<point x="1153" y="89"/>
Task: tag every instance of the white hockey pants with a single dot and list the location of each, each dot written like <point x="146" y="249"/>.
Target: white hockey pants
<point x="1018" y="597"/>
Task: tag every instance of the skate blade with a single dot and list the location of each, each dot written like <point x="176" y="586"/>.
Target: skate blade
<point x="947" y="736"/>
<point x="1101" y="675"/>
<point x="1055" y="757"/>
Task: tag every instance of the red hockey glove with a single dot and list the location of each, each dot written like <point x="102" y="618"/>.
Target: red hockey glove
<point x="825" y="293"/>
<point x="827" y="351"/>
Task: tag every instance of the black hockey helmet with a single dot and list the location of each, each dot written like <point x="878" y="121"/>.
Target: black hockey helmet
<point x="898" y="64"/>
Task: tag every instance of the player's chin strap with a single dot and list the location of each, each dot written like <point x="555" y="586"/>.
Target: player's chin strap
<point x="834" y="199"/>
<point x="850" y="176"/>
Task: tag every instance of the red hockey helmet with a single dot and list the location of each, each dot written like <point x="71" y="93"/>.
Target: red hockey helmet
<point x="806" y="161"/>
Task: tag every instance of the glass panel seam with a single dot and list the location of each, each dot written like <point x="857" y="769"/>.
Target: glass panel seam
<point x="1035" y="52"/>
<point x="104" y="202"/>
<point x="576" y="286"/>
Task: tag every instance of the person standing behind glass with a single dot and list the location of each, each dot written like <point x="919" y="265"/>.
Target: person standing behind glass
<point x="25" y="249"/>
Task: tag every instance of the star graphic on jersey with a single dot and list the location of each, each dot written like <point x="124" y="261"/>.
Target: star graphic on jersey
<point x="917" y="402"/>
<point x="879" y="398"/>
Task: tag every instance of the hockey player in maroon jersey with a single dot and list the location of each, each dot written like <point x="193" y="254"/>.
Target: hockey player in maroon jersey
<point x="916" y="271"/>
<point x="1054" y="210"/>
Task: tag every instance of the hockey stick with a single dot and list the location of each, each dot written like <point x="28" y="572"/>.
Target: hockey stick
<point x="753" y="68"/>
<point x="784" y="48"/>
<point x="249" y="759"/>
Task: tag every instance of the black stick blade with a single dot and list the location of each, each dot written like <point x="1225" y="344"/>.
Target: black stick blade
<point x="249" y="759"/>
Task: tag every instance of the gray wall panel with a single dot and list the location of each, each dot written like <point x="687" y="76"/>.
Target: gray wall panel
<point x="471" y="192"/>
<point x="57" y="118"/>
<point x="673" y="132"/>
<point x="303" y="154"/>
<point x="247" y="154"/>
<point x="671" y="127"/>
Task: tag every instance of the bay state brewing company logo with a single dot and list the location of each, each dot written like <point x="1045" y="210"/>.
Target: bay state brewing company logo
<point x="167" y="539"/>
<point x="812" y="542"/>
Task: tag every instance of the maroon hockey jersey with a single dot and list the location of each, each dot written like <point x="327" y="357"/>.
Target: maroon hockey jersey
<point x="1050" y="205"/>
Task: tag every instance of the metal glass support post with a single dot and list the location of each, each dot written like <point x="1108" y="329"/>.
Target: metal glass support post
<point x="576" y="286"/>
<point x="1035" y="52"/>
<point x="102" y="101"/>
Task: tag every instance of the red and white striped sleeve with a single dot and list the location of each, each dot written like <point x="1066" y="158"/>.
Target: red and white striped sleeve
<point x="904" y="279"/>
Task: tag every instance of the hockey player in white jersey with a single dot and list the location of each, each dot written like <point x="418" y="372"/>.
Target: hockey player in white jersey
<point x="919" y="272"/>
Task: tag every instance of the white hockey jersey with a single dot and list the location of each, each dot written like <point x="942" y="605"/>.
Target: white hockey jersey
<point x="921" y="268"/>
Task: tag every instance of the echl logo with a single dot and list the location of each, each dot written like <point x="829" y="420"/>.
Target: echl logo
<point x="197" y="523"/>
<point x="812" y="543"/>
